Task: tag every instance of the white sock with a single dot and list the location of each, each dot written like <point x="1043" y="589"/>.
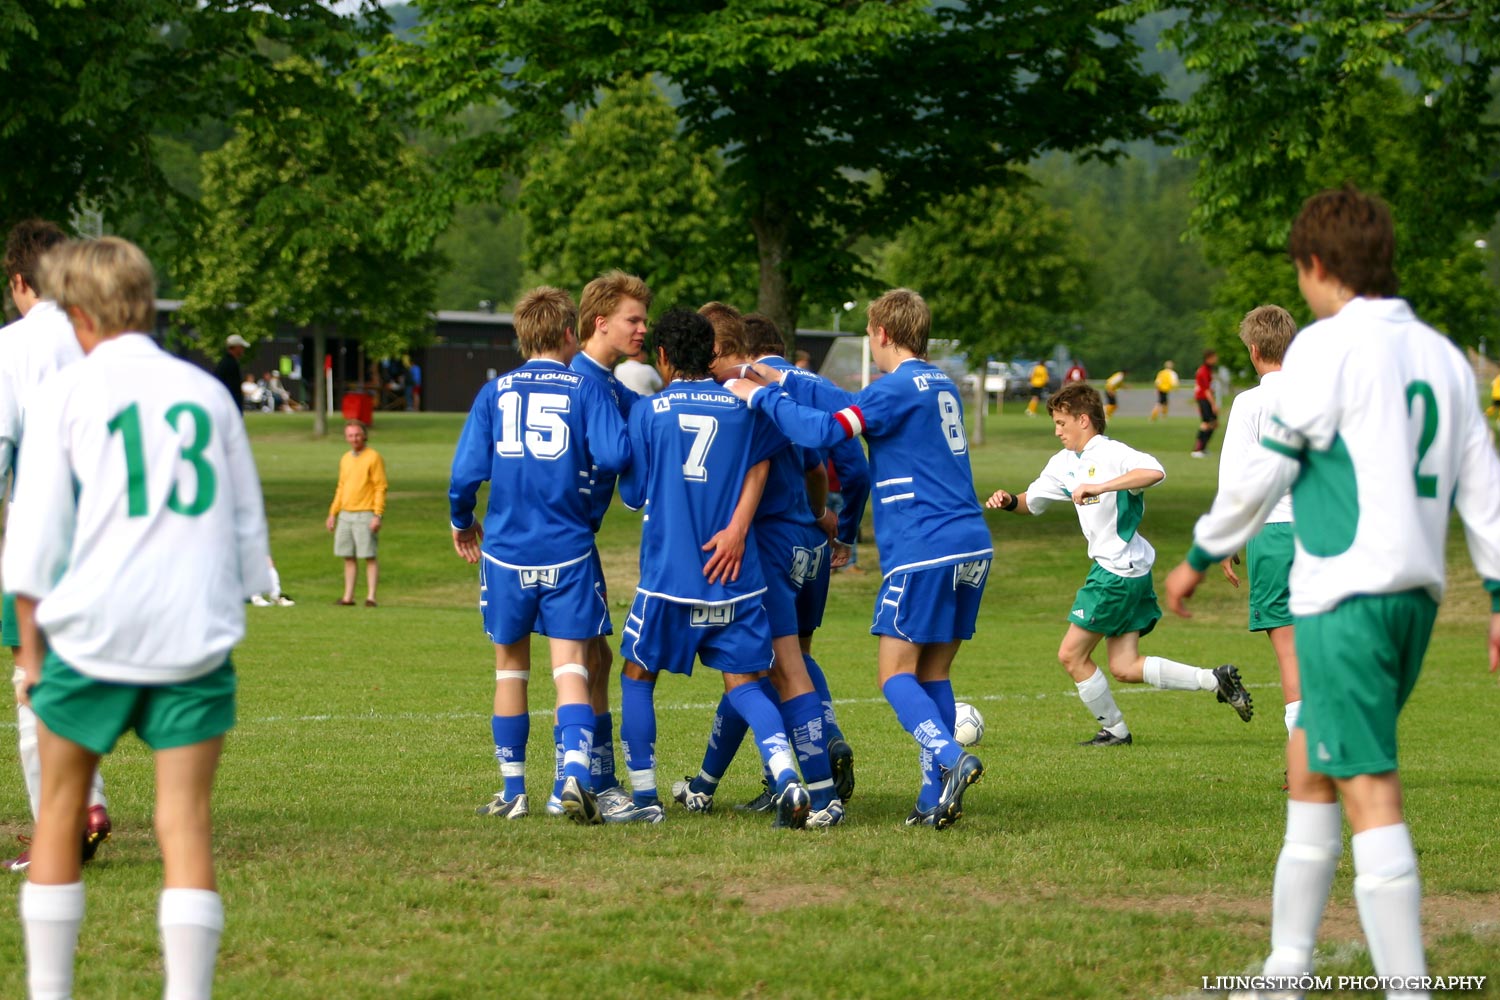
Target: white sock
<point x="1170" y="675"/>
<point x="275" y="591"/>
<point x="1293" y="709"/>
<point x="96" y="791"/>
<point x="191" y="921"/>
<point x="1096" y="697"/>
<point x="1389" y="896"/>
<point x="51" y="915"/>
<point x="1304" y="874"/>
<point x="31" y="758"/>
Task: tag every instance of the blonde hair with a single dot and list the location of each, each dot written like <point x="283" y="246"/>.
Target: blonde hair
<point x="1268" y="329"/>
<point x="109" y="279"/>
<point x="602" y="296"/>
<point x="543" y="316"/>
<point x="906" y="319"/>
<point x="731" y="340"/>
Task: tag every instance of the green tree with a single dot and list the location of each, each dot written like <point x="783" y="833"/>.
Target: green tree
<point x="306" y="224"/>
<point x="625" y="189"/>
<point x="86" y="89"/>
<point x="836" y="121"/>
<point x="1004" y="273"/>
<point x="1300" y="95"/>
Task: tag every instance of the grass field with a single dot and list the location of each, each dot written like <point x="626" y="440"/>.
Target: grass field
<point x="352" y="865"/>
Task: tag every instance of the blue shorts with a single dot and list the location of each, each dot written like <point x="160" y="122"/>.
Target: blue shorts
<point x="563" y="602"/>
<point x="931" y="605"/>
<point x="794" y="558"/>
<point x="664" y="635"/>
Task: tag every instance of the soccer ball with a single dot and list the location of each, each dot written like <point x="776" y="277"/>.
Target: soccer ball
<point x="968" y="725"/>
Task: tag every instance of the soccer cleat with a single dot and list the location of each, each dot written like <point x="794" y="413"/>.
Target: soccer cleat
<point x="96" y="833"/>
<point x="792" y="807"/>
<point x="285" y="601"/>
<point x="762" y="803"/>
<point x="950" y="805"/>
<point x="502" y="808"/>
<point x="1232" y="692"/>
<point x="698" y="802"/>
<point x="616" y="806"/>
<point x="841" y="758"/>
<point x="554" y="806"/>
<point x="1105" y="738"/>
<point x="921" y="817"/>
<point x="1199" y="454"/>
<point x="579" y="803"/>
<point x="830" y="815"/>
<point x="21" y="861"/>
<point x="259" y="601"/>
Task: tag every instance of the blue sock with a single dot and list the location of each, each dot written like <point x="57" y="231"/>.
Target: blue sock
<point x="932" y="781"/>
<point x="602" y="759"/>
<point x="919" y="716"/>
<point x="770" y="736"/>
<point x="803" y="716"/>
<point x="557" y="760"/>
<point x="577" y="725"/>
<point x="820" y="685"/>
<point x="941" y="693"/>
<point x="774" y="697"/>
<point x="724" y="742"/>
<point x="510" y="733"/>
<point x="638" y="737"/>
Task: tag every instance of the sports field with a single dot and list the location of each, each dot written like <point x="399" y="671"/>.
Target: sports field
<point x="352" y="864"/>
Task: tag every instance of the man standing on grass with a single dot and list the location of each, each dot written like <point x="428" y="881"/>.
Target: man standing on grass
<point x="137" y="480"/>
<point x="1208" y="404"/>
<point x="32" y="349"/>
<point x="1377" y="430"/>
<point x="355" y="516"/>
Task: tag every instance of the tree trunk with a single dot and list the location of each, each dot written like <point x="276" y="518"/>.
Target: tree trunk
<point x="319" y="395"/>
<point x="778" y="297"/>
<point x="980" y="404"/>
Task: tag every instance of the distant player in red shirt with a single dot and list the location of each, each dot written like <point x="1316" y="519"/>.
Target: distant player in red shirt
<point x="1208" y="407"/>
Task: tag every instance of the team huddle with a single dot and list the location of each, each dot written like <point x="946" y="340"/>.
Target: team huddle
<point x="134" y="461"/>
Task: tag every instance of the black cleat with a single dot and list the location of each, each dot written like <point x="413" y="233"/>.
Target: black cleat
<point x="841" y="759"/>
<point x="792" y="807"/>
<point x="921" y="817"/>
<point x="1232" y="692"/>
<point x="762" y="803"/>
<point x="1105" y="738"/>
<point x="96" y="832"/>
<point x="580" y="804"/>
<point x="950" y="805"/>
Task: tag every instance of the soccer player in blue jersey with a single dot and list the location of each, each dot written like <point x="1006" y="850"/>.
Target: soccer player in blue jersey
<point x="611" y="326"/>
<point x="537" y="435"/>
<point x="934" y="545"/>
<point x="793" y="555"/>
<point x="693" y="444"/>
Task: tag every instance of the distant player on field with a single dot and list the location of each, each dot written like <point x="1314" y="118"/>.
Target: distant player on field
<point x="1207" y="402"/>
<point x="935" y="548"/>
<point x="1111" y="392"/>
<point x="1266" y="331"/>
<point x="1104" y="481"/>
<point x="694" y="444"/>
<point x="31" y="349"/>
<point x="136" y="479"/>
<point x="1166" y="381"/>
<point x="1377" y="429"/>
<point x="538" y="435"/>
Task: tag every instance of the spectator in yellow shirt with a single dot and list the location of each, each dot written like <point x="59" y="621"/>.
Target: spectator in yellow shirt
<point x="1166" y="381"/>
<point x="355" y="514"/>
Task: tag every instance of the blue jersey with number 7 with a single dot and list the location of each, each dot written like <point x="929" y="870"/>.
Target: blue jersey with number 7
<point x="926" y="512"/>
<point x="537" y="435"/>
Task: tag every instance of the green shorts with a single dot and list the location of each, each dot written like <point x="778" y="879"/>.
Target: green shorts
<point x="1269" y="555"/>
<point x="10" y="629"/>
<point x="352" y="535"/>
<point x="95" y="714"/>
<point x="1358" y="663"/>
<point x="1114" y="605"/>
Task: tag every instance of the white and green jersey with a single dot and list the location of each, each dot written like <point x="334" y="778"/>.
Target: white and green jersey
<point x="31" y="348"/>
<point x="137" y="521"/>
<point x="1109" y="521"/>
<point x="1248" y="417"/>
<point x="1376" y="426"/>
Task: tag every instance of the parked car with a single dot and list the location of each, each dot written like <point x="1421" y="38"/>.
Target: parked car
<point x="1018" y="379"/>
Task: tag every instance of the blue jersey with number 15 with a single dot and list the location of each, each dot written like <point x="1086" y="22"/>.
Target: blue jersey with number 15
<point x="692" y="444"/>
<point x="537" y="435"/>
